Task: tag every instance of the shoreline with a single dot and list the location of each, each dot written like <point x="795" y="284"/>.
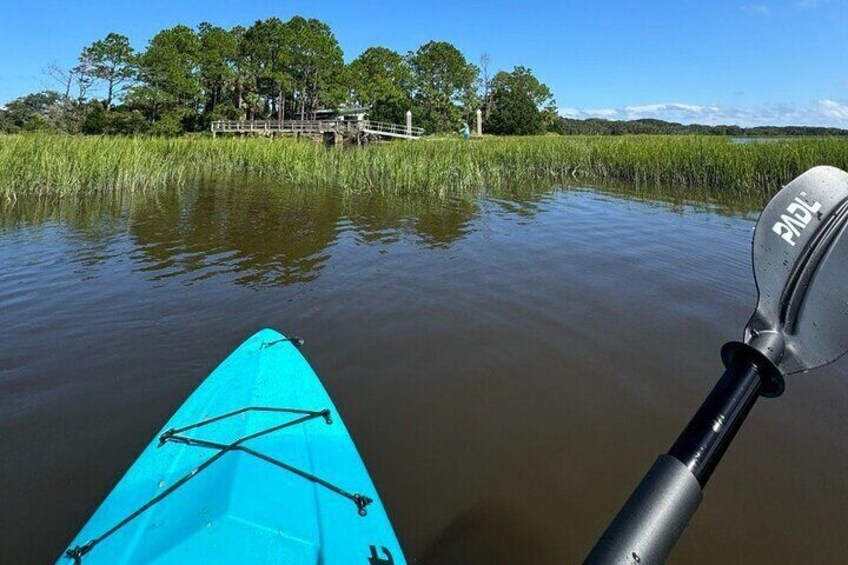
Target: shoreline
<point x="57" y="165"/>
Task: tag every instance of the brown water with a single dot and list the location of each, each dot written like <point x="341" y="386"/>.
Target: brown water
<point x="508" y="365"/>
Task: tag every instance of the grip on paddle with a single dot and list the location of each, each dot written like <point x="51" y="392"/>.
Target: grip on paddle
<point x="653" y="519"/>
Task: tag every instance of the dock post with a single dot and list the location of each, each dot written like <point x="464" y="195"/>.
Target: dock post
<point x="409" y="123"/>
<point x="479" y="122"/>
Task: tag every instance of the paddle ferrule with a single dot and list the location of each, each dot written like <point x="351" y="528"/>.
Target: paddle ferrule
<point x="707" y="436"/>
<point x="800" y="261"/>
<point x="656" y="514"/>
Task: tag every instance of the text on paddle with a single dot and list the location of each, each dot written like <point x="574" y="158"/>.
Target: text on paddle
<point x="798" y="215"/>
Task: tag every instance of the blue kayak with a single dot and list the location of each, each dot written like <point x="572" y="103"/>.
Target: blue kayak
<point x="255" y="467"/>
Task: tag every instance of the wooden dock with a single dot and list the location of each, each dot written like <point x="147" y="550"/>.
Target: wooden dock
<point x="323" y="128"/>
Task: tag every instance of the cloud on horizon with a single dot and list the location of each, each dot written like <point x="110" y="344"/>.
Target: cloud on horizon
<point x="756" y="9"/>
<point x="826" y="112"/>
<point x="766" y="8"/>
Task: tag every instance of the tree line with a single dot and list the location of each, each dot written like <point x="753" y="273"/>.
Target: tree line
<point x="185" y="78"/>
<point x="598" y="126"/>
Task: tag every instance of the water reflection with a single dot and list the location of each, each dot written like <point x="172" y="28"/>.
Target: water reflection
<point x="258" y="235"/>
<point x="266" y="238"/>
<point x="494" y="357"/>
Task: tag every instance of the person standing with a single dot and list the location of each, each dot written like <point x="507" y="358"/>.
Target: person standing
<point x="465" y="131"/>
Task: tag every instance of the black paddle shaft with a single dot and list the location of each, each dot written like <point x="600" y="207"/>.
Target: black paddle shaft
<point x="702" y="444"/>
<point x="656" y="514"/>
<point x="800" y="259"/>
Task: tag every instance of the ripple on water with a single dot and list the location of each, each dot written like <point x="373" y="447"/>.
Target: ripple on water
<point x="490" y="355"/>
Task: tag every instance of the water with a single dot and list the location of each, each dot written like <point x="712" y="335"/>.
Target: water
<point x="746" y="140"/>
<point x="508" y="365"/>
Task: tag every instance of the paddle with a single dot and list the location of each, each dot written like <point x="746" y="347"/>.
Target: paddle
<point x="800" y="257"/>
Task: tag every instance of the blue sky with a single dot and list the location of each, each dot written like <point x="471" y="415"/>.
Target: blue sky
<point x="760" y="62"/>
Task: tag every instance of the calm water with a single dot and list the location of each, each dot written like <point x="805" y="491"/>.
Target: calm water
<point x="509" y="366"/>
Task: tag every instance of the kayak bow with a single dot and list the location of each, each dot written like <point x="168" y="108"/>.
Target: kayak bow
<point x="255" y="467"/>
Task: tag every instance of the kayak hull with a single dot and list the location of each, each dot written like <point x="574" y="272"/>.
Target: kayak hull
<point x="216" y="486"/>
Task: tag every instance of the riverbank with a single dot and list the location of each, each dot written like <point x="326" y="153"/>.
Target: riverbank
<point x="54" y="165"/>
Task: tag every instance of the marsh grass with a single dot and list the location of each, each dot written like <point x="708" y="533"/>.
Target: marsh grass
<point x="64" y="165"/>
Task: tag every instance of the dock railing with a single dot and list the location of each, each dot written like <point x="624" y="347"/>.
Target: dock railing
<point x="383" y="129"/>
<point x="392" y="130"/>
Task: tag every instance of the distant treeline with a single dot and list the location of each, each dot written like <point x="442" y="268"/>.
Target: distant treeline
<point x="597" y="126"/>
<point x="185" y="78"/>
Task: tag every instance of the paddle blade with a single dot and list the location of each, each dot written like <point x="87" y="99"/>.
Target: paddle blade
<point x="800" y="256"/>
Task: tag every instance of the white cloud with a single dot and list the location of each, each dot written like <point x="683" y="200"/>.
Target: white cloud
<point x="833" y="109"/>
<point x="570" y="113"/>
<point x="664" y="110"/>
<point x="609" y="113"/>
<point x="665" y="107"/>
<point x="606" y="113"/>
<point x="757" y="9"/>
<point x="829" y="113"/>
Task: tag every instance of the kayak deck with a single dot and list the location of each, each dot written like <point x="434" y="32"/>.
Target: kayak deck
<point x="256" y="466"/>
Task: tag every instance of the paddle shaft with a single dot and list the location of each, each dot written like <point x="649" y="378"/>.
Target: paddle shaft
<point x="656" y="514"/>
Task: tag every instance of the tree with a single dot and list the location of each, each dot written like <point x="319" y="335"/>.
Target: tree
<point x="485" y="60"/>
<point x="316" y="64"/>
<point x="169" y="74"/>
<point x="118" y="121"/>
<point x="123" y="121"/>
<point x="37" y="111"/>
<point x="241" y="76"/>
<point x="64" y="77"/>
<point x="381" y="79"/>
<point x="77" y="77"/>
<point x="443" y="84"/>
<point x="68" y="114"/>
<point x="112" y="61"/>
<point x="522" y="79"/>
<point x="301" y="57"/>
<point x="96" y="121"/>
<point x="217" y="54"/>
<point x="266" y="50"/>
<point x="514" y="112"/>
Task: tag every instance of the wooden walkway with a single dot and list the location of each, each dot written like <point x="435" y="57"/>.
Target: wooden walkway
<point x="317" y="127"/>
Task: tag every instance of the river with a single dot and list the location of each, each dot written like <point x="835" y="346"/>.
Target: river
<point x="508" y="364"/>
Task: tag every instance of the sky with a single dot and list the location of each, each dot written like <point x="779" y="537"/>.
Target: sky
<point x="781" y="62"/>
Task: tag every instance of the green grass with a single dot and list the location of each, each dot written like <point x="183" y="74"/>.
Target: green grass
<point x="65" y="165"/>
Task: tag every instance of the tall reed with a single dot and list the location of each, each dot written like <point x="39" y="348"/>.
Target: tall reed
<point x="64" y="165"/>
